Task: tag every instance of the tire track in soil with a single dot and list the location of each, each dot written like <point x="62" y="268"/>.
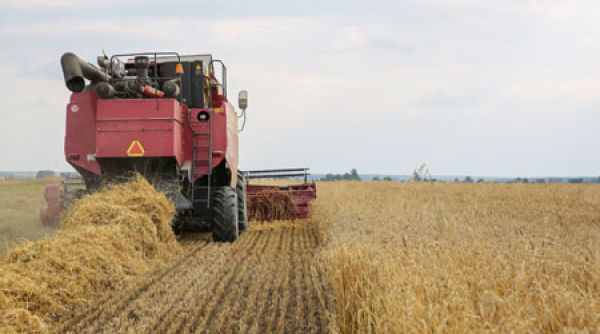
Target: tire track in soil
<point x="227" y="299"/>
<point x="113" y="303"/>
<point x="189" y="311"/>
<point x="172" y="316"/>
<point x="268" y="281"/>
<point x="164" y="295"/>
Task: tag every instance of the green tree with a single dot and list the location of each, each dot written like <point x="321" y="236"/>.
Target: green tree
<point x="44" y="173"/>
<point x="354" y="174"/>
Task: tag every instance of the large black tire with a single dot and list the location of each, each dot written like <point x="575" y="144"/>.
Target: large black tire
<point x="224" y="215"/>
<point x="242" y="203"/>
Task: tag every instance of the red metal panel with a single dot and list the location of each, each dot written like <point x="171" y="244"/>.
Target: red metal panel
<point x="156" y="124"/>
<point x="108" y="128"/>
<point x="80" y="136"/>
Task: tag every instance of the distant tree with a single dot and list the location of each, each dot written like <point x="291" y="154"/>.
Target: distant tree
<point x="354" y="174"/>
<point x="540" y="181"/>
<point x="456" y="180"/>
<point x="480" y="181"/>
<point x="468" y="179"/>
<point x="44" y="173"/>
<point x="376" y="178"/>
<point x="525" y="180"/>
<point x="387" y="178"/>
<point x="576" y="180"/>
<point x="598" y="179"/>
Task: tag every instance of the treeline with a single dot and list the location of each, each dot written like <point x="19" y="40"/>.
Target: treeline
<point x="352" y="176"/>
<point x="469" y="179"/>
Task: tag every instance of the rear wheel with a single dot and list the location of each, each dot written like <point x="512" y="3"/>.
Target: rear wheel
<point x="242" y="202"/>
<point x="224" y="217"/>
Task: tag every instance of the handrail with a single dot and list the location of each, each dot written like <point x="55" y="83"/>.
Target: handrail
<point x="278" y="173"/>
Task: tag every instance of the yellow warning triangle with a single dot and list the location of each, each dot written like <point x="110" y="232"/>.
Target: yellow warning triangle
<point x="136" y="149"/>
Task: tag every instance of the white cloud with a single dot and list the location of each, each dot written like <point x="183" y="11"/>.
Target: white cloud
<point x="455" y="83"/>
<point x="39" y="4"/>
<point x="32" y="126"/>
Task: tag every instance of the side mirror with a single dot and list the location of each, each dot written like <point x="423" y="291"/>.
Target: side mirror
<point x="243" y="100"/>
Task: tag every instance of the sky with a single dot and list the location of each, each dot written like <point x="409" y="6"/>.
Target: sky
<point x="495" y="88"/>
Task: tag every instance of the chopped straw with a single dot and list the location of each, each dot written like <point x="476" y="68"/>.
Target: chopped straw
<point x="107" y="239"/>
<point x="271" y="205"/>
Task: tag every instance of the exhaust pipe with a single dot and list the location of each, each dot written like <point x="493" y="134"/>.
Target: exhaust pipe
<point x="76" y="69"/>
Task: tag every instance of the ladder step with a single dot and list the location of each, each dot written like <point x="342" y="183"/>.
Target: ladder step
<point x="202" y="147"/>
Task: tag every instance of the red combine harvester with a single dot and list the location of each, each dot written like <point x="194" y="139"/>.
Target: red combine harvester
<point x="168" y="118"/>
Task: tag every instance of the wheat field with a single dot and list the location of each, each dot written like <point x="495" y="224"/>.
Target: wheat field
<point x="375" y="257"/>
<point x="20" y="202"/>
<point x="431" y="258"/>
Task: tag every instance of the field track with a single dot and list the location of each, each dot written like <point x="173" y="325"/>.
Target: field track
<point x="265" y="282"/>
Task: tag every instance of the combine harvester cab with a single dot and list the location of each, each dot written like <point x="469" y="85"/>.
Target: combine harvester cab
<point x="167" y="117"/>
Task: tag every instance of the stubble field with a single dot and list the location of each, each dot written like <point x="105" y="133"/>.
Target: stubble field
<point x="20" y="201"/>
<point x="376" y="257"/>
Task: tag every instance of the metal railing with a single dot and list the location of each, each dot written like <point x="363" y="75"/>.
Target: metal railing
<point x="278" y="173"/>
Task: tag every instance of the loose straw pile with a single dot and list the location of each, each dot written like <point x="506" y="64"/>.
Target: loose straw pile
<point x="107" y="239"/>
<point x="271" y="205"/>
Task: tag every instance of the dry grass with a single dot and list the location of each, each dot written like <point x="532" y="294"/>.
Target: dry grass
<point x="20" y="202"/>
<point x="380" y="257"/>
<point x="413" y="258"/>
<point x="265" y="282"/>
<point x="108" y="238"/>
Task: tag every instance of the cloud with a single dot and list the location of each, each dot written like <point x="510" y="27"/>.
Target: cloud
<point x="32" y="126"/>
<point x="39" y="4"/>
<point x="471" y="87"/>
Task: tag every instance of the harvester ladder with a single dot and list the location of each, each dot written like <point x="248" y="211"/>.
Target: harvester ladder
<point x="204" y="159"/>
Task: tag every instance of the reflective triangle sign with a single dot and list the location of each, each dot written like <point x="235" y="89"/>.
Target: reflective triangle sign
<point x="136" y="149"/>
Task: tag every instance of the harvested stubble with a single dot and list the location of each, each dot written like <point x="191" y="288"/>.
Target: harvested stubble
<point x="107" y="240"/>
<point x="271" y="205"/>
<point x="414" y="258"/>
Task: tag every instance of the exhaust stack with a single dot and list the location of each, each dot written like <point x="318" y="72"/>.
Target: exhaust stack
<point x="76" y="69"/>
